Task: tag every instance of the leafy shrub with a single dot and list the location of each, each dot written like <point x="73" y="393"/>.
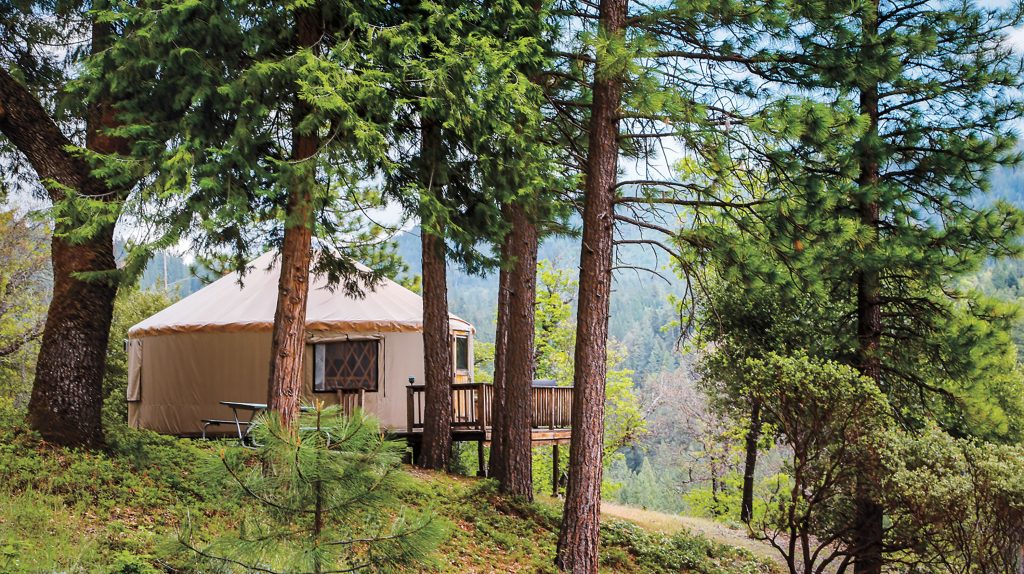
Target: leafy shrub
<point x="656" y="552"/>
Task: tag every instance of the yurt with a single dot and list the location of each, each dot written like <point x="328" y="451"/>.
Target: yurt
<point x="214" y="346"/>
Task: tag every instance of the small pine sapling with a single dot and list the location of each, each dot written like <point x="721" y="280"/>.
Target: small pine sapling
<point x="323" y="498"/>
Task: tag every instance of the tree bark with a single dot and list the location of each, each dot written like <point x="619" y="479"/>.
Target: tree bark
<point x="288" y="341"/>
<point x="516" y="477"/>
<point x="500" y="345"/>
<point x="578" y="538"/>
<point x="437" y="348"/>
<point x="750" y="462"/>
<point x="868" y="536"/>
<point x="67" y="394"/>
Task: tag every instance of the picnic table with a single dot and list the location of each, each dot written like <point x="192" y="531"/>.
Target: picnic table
<point x="239" y="421"/>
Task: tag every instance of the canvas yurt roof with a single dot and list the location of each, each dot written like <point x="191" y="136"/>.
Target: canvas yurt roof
<point x="226" y="306"/>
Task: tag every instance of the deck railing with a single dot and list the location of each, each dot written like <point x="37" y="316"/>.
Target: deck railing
<point x="351" y="399"/>
<point x="472" y="403"/>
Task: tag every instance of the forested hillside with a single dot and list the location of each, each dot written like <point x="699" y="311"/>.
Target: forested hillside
<point x="641" y="310"/>
<point x="743" y="261"/>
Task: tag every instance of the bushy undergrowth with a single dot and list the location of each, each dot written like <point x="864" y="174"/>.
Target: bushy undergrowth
<point x="94" y="511"/>
<point x="119" y="510"/>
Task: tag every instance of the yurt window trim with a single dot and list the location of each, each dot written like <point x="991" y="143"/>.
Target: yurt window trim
<point x="461" y="352"/>
<point x="320" y="349"/>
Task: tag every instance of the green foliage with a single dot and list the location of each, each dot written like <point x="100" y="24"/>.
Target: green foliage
<point x="209" y="137"/>
<point x="413" y="283"/>
<point x="681" y="552"/>
<point x="24" y="293"/>
<point x="830" y="418"/>
<point x="322" y="498"/>
<point x="128" y="563"/>
<point x="483" y="361"/>
<point x="555" y="323"/>
<point x="473" y="116"/>
<point x="962" y="501"/>
<point x="720" y="501"/>
<point x="130" y="307"/>
<point x="655" y="487"/>
<point x="624" y="422"/>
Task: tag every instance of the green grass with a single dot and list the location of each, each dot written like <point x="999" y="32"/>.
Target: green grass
<point x="118" y="512"/>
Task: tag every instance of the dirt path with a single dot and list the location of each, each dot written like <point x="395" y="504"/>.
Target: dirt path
<point x="672" y="522"/>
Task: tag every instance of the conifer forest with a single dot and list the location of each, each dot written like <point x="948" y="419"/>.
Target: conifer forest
<point x="594" y="286"/>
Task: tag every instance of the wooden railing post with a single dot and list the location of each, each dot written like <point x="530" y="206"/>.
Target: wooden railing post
<point x="478" y="396"/>
<point x="552" y="421"/>
<point x="410" y="408"/>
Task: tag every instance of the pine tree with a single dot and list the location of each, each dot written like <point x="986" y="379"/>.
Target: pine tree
<point x="642" y="78"/>
<point x="288" y="339"/>
<point x="227" y="171"/>
<point x="324" y="499"/>
<point x="578" y="538"/>
<point x="522" y="169"/>
<point x="934" y="83"/>
<point x="884" y="226"/>
<point x="461" y="134"/>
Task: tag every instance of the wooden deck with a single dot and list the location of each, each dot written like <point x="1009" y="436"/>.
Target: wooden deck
<point x="471" y="413"/>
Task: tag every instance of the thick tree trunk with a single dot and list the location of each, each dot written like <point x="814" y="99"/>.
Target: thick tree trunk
<point x="67" y="395"/>
<point x="500" y="345"/>
<point x="869" y="530"/>
<point x="516" y="477"/>
<point x="750" y="462"/>
<point x="437" y="348"/>
<point x="288" y="341"/>
<point x="578" y="537"/>
<point x="437" y="437"/>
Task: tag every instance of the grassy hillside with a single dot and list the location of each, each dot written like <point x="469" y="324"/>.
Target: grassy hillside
<point x="119" y="512"/>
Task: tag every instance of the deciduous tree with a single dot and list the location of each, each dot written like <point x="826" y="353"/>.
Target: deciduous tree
<point x="47" y="132"/>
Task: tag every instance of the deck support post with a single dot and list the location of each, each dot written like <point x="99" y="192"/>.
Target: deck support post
<point x="414" y="446"/>
<point x="481" y="467"/>
<point x="554" y="470"/>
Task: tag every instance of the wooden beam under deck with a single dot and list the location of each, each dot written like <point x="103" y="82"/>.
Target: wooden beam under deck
<point x="538" y="437"/>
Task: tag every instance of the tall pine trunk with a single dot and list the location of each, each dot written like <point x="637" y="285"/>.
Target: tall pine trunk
<point x="578" y="537"/>
<point x="514" y="428"/>
<point x="869" y="527"/>
<point x="67" y="394"/>
<point x="437" y="348"/>
<point x="500" y="344"/>
<point x="750" y="461"/>
<point x="289" y="335"/>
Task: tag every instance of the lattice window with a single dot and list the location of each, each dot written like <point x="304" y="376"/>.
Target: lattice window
<point x="346" y="366"/>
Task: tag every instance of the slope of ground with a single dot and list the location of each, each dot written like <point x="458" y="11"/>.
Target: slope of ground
<point x="118" y="512"/>
<point x="716" y="531"/>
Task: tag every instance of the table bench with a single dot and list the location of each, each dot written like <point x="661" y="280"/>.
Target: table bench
<point x="207" y="423"/>
<point x="254" y="408"/>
